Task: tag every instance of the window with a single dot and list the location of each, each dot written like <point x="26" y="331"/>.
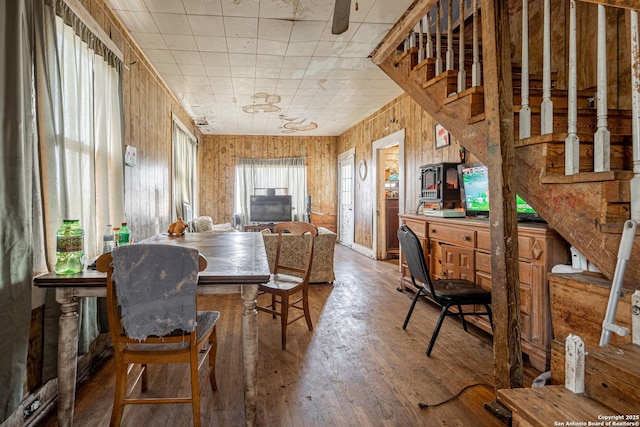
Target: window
<point x="80" y="147"/>
<point x="185" y="173"/>
<point x="254" y="176"/>
<point x="80" y="133"/>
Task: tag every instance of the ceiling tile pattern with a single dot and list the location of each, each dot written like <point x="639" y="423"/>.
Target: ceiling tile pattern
<point x="266" y="67"/>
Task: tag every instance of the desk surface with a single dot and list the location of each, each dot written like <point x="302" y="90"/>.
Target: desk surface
<point x="232" y="258"/>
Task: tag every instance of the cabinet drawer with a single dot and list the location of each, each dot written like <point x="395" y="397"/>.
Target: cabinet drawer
<point x="483" y="262"/>
<point x="525" y="273"/>
<point x="417" y="226"/>
<point x="527" y="247"/>
<point x="483" y="240"/>
<point x="530" y="248"/>
<point x="453" y="235"/>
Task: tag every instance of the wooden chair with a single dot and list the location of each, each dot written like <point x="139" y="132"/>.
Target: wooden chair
<point x="151" y="302"/>
<point x="284" y="286"/>
<point x="446" y="292"/>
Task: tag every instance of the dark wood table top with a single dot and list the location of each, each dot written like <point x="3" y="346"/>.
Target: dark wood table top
<point x="232" y="258"/>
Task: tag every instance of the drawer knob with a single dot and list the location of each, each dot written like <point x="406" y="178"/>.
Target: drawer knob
<point x="466" y="238"/>
<point x="433" y="231"/>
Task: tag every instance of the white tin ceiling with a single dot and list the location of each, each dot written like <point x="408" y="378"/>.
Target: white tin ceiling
<point x="266" y="67"/>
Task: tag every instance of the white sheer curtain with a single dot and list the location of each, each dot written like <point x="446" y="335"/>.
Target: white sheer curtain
<point x="185" y="173"/>
<point x="288" y="173"/>
<point x="82" y="162"/>
<point x="79" y="117"/>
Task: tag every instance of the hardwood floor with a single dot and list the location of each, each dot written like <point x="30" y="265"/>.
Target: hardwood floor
<point x="356" y="368"/>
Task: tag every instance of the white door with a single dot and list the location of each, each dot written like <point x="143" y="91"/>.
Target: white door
<point x="346" y="182"/>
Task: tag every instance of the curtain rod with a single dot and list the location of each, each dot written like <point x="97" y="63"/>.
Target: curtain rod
<point x="93" y="26"/>
<point x="182" y="126"/>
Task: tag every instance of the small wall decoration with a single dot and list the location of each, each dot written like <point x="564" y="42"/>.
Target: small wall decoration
<point x="442" y="137"/>
<point x="130" y="155"/>
<point x="362" y="170"/>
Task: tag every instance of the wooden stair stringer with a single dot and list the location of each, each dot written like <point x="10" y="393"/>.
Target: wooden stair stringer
<point x="573" y="210"/>
<point x="453" y="117"/>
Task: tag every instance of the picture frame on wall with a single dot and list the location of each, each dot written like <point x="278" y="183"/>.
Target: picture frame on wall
<point x="442" y="137"/>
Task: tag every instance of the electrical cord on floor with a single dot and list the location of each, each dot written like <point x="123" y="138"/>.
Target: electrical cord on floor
<point x="423" y="405"/>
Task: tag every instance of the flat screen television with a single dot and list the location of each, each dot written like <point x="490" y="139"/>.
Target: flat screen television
<point x="269" y="209"/>
<point x="474" y="179"/>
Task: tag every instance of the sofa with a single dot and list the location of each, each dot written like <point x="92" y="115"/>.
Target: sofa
<point x="294" y="250"/>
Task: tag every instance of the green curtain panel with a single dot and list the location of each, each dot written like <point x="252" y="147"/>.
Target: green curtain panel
<point x="16" y="191"/>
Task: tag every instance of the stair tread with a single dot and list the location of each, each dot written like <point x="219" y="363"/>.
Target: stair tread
<point x="626" y="357"/>
<point x="541" y="406"/>
<point x="555" y="178"/>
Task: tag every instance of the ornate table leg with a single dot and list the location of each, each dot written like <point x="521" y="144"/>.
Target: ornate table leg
<point x="67" y="355"/>
<point x="250" y="351"/>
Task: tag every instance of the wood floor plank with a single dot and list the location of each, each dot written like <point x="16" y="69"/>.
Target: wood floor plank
<point x="356" y="368"/>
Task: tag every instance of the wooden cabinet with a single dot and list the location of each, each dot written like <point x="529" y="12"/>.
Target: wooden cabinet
<point x="461" y="248"/>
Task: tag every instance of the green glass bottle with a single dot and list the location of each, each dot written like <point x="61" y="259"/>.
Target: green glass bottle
<point x="123" y="235"/>
<point x="70" y="247"/>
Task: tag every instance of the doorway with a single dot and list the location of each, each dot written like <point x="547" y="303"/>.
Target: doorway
<point x="389" y="220"/>
<point x="388" y="156"/>
<point x="346" y="190"/>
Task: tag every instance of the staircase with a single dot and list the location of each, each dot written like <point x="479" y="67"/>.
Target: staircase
<point x="611" y="393"/>
<point x="587" y="208"/>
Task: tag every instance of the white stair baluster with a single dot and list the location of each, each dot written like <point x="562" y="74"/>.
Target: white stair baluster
<point x="524" y="116"/>
<point x="546" y="109"/>
<point x="438" y="39"/>
<point x="462" y="76"/>
<point x="450" y="35"/>
<point x="635" y="115"/>
<point x="476" y="69"/>
<point x="602" y="137"/>
<point x="574" y="364"/>
<point x="572" y="143"/>
<point x="420" y="42"/>
<point x="429" y="41"/>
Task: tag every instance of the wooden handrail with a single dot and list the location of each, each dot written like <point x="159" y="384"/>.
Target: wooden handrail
<point x="398" y="33"/>
<point x="625" y="4"/>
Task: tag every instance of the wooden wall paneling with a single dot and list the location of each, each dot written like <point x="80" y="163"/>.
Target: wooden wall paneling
<point x="587" y="40"/>
<point x="623" y="87"/>
<point x="419" y="150"/>
<point x="220" y="152"/>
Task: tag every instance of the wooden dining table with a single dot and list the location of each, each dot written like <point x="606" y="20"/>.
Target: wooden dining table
<point x="236" y="263"/>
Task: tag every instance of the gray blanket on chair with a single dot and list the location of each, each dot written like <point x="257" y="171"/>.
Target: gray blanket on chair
<point x="155" y="288"/>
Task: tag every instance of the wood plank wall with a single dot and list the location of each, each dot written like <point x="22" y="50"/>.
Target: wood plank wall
<point x="148" y="108"/>
<point x="217" y="156"/>
<point x="419" y="149"/>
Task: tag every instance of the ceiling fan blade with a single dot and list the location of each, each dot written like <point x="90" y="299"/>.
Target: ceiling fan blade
<point x="341" y="16"/>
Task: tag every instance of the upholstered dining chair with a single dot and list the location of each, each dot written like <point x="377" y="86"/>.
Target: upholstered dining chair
<point x="290" y="279"/>
<point x="151" y="303"/>
<point x="446" y="293"/>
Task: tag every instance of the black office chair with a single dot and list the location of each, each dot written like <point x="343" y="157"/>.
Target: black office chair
<point x="445" y="292"/>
